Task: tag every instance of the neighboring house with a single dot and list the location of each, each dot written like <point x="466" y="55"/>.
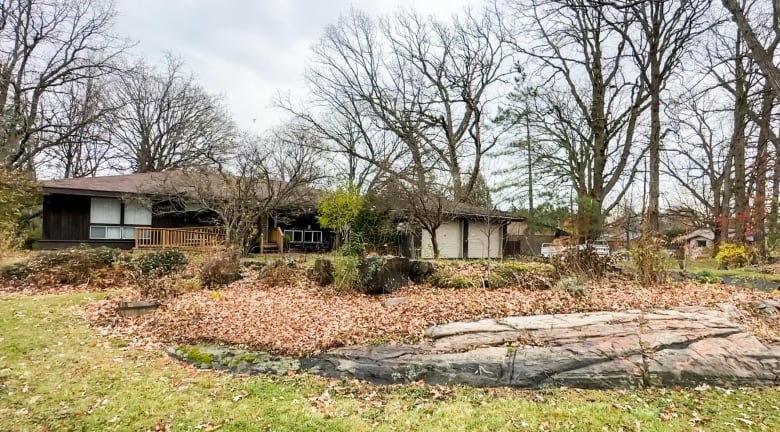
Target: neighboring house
<point x="471" y="232"/>
<point x="697" y="243"/>
<point x="135" y="211"/>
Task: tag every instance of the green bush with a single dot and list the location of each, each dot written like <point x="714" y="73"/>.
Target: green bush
<point x="355" y="246"/>
<point x="220" y="269"/>
<point x="159" y="263"/>
<point x="346" y="275"/>
<point x="706" y="276"/>
<point x="732" y="255"/>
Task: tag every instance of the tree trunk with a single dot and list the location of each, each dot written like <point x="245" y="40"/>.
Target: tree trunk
<point x="738" y="144"/>
<point x="654" y="168"/>
<point x="434" y="242"/>
<point x="762" y="166"/>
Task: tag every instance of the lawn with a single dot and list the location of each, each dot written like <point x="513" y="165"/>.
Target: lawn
<point x="57" y="373"/>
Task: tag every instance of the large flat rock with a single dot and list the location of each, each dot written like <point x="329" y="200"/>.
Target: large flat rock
<point x="684" y="347"/>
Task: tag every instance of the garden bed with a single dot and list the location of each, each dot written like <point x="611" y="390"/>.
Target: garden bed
<point x="299" y="318"/>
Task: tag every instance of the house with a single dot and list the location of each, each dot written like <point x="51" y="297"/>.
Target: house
<point x="526" y="238"/>
<point x="696" y="243"/>
<point x="470" y="232"/>
<point x="138" y="211"/>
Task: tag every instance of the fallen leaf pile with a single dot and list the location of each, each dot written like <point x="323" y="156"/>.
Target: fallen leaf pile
<point x="301" y="319"/>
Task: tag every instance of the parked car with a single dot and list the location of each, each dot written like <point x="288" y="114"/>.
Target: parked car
<point x="599" y="247"/>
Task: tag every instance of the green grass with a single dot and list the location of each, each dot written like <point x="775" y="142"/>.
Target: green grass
<point x="58" y="374"/>
<point x="711" y="266"/>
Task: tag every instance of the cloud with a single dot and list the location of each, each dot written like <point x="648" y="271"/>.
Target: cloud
<point x="247" y="51"/>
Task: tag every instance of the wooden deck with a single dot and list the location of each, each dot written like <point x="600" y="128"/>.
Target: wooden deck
<point x="193" y="238"/>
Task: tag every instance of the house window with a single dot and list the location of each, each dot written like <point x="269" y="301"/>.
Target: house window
<point x="107" y="221"/>
<point x="128" y="232"/>
<point x="105" y="211"/>
<point x="298" y="236"/>
<point x="136" y="214"/>
<point x="701" y="243"/>
<point x="105" y="232"/>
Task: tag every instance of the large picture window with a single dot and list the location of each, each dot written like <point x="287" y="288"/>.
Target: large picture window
<point x="107" y="221"/>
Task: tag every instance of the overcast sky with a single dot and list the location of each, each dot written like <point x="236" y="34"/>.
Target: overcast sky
<point x="247" y="50"/>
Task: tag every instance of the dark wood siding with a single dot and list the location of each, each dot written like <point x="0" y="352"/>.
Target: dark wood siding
<point x="66" y="217"/>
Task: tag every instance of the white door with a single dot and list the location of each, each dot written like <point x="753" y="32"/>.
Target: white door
<point x="450" y="239"/>
<point x="482" y="236"/>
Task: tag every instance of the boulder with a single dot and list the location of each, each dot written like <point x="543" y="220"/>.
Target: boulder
<point x="322" y="272"/>
<point x="395" y="301"/>
<point x="383" y="274"/>
<point x="419" y="270"/>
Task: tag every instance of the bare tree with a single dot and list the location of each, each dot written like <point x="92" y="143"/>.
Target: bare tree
<point x="416" y="90"/>
<point x="165" y="120"/>
<point x="750" y="32"/>
<point x="44" y="46"/>
<point x="701" y="159"/>
<point x="588" y="103"/>
<point x="659" y="34"/>
<point x="272" y="173"/>
<point x="87" y="150"/>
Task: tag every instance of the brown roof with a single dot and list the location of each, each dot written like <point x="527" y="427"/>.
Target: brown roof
<point x="159" y="183"/>
<point x="140" y="183"/>
<point x="197" y="183"/>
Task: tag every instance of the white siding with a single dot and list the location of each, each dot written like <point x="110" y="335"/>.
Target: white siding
<point x="478" y="240"/>
<point x="450" y="239"/>
<point x="105" y="211"/>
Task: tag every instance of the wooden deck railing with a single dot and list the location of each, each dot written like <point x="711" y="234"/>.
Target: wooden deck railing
<point x="179" y="238"/>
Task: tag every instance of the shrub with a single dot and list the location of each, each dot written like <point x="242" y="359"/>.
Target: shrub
<point x="355" y="246"/>
<point x="72" y="265"/>
<point x="582" y="262"/>
<point x="221" y="269"/>
<point x="706" y="276"/>
<point x="346" y="275"/>
<point x="16" y="271"/>
<point x="159" y="263"/>
<point x="732" y="255"/>
<point x="573" y="286"/>
<point x="649" y="259"/>
<point x="19" y="196"/>
<point x="527" y="274"/>
<point x="80" y="256"/>
<point x="278" y="273"/>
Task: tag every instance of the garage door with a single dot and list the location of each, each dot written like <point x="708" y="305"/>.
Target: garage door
<point x="478" y="240"/>
<point x="450" y="241"/>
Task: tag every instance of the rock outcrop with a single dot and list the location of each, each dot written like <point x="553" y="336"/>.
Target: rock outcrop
<point x="685" y="347"/>
<point x="591" y="350"/>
